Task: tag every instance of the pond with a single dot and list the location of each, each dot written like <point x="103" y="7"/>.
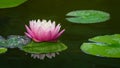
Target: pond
<point x="13" y="20"/>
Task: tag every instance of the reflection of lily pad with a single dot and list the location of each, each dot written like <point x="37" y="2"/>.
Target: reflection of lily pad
<point x="87" y="16"/>
<point x="10" y="3"/>
<point x="105" y="46"/>
<point x="3" y="50"/>
<point x="44" y="47"/>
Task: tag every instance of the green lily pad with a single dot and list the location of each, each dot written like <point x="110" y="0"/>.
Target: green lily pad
<point x="3" y="50"/>
<point x="108" y="39"/>
<point x="104" y="46"/>
<point x="11" y="3"/>
<point x="44" y="47"/>
<point x="87" y="16"/>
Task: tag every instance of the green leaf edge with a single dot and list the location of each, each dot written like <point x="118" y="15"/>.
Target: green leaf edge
<point x="13" y="5"/>
<point x="75" y="17"/>
<point x="44" y="47"/>
<point x="101" y="49"/>
<point x="3" y="50"/>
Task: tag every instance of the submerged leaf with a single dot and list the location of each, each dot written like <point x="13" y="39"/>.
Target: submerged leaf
<point x="104" y="46"/>
<point x="3" y="50"/>
<point x="14" y="41"/>
<point x="44" y="47"/>
<point x="87" y="16"/>
<point x="10" y="3"/>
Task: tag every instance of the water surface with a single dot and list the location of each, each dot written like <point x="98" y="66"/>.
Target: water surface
<point x="12" y="22"/>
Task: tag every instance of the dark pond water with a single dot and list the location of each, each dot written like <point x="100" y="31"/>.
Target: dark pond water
<point x="12" y="22"/>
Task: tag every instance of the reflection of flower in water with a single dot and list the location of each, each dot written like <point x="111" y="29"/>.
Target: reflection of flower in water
<point x="44" y="31"/>
<point x="42" y="56"/>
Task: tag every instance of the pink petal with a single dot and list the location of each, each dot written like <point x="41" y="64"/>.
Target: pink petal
<point x="47" y="36"/>
<point x="59" y="33"/>
<point x="36" y="40"/>
<point x="28" y="35"/>
<point x="53" y="26"/>
<point x="56" y="30"/>
<point x="31" y="24"/>
<point x="40" y="34"/>
<point x="29" y="31"/>
<point x="44" y="35"/>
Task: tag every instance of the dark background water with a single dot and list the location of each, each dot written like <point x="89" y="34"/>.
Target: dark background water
<point x="12" y="22"/>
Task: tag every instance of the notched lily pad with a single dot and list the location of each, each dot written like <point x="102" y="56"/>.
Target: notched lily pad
<point x="87" y="16"/>
<point x="11" y="3"/>
<point x="44" y="47"/>
<point x="104" y="46"/>
<point x="108" y="39"/>
<point x="3" y="50"/>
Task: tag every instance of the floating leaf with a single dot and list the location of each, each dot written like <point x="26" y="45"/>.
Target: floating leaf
<point x="10" y="3"/>
<point x="3" y="50"/>
<point x="103" y="51"/>
<point x="108" y="39"/>
<point x="14" y="41"/>
<point x="104" y="46"/>
<point x="87" y="16"/>
<point x="44" y="47"/>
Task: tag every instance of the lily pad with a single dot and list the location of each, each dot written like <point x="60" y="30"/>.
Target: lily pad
<point x="104" y="46"/>
<point x="3" y="50"/>
<point x="14" y="41"/>
<point x="11" y="3"/>
<point x="100" y="50"/>
<point x="44" y="47"/>
<point x="88" y="16"/>
<point x="107" y="39"/>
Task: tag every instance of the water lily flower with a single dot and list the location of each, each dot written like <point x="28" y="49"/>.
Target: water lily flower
<point x="43" y="31"/>
<point x="47" y="33"/>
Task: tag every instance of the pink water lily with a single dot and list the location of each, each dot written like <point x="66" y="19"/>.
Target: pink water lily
<point x="41" y="31"/>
